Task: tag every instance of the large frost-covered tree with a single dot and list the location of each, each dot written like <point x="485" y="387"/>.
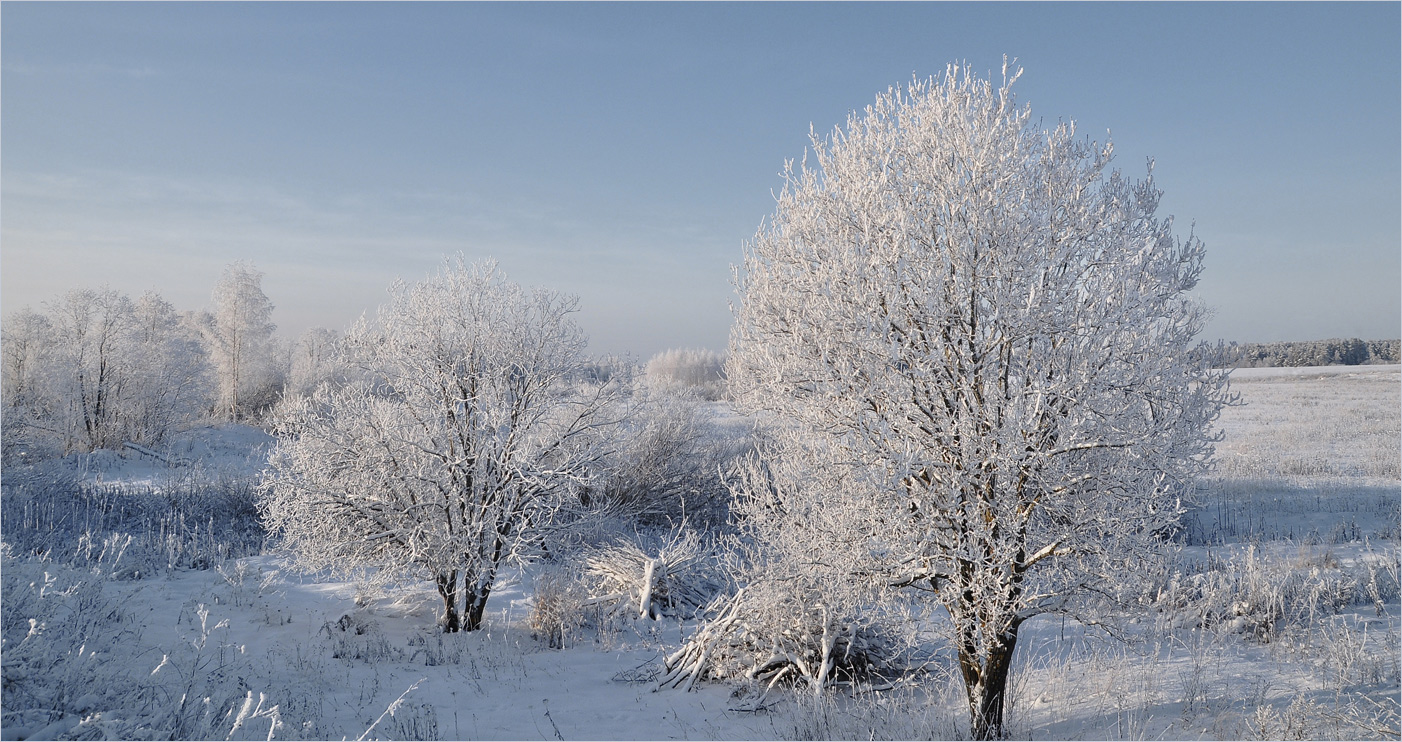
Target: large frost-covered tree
<point x="467" y="422"/>
<point x="990" y="330"/>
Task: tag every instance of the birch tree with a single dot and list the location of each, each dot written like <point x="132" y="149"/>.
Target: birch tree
<point x="240" y="336"/>
<point x="466" y="427"/>
<point x="25" y="347"/>
<point x="991" y="329"/>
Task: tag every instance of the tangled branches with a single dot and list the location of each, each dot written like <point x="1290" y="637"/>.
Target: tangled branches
<point x="677" y="577"/>
<point x="761" y="634"/>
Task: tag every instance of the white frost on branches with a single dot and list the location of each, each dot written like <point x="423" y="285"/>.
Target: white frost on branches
<point x="239" y="333"/>
<point x="98" y="370"/>
<point x="815" y="607"/>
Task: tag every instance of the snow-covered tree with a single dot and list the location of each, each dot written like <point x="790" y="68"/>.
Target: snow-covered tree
<point x="239" y="333"/>
<point x="316" y="358"/>
<point x="174" y="383"/>
<point x="91" y="371"/>
<point x="25" y="346"/>
<point x="989" y="331"/>
<point x="25" y="339"/>
<point x="467" y="428"/>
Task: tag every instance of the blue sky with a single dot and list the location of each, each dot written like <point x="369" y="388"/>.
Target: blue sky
<point x="624" y="152"/>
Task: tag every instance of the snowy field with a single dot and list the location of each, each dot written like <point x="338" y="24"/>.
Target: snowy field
<point x="138" y="603"/>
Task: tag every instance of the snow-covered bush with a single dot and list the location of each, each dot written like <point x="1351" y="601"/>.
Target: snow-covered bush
<point x="815" y="604"/>
<point x="701" y="371"/>
<point x="557" y="605"/>
<point x="667" y="575"/>
<point x="468" y="433"/>
<point x="666" y="463"/>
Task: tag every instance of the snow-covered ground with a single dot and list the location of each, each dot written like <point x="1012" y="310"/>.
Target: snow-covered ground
<point x="1280" y="622"/>
<point x="227" y="450"/>
<point x="1250" y="374"/>
<point x="333" y="664"/>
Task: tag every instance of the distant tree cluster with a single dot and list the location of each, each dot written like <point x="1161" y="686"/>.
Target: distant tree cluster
<point x="96" y="369"/>
<point x="1332" y="352"/>
<point x="701" y="370"/>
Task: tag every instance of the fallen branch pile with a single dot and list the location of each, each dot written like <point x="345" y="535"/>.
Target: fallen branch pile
<point x="755" y="638"/>
<point x="678" y="577"/>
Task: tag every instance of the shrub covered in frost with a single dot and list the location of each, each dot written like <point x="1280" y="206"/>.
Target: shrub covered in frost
<point x="670" y="574"/>
<point x="667" y="463"/>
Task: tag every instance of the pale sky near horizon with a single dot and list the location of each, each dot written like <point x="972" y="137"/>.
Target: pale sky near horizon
<point x="624" y="152"/>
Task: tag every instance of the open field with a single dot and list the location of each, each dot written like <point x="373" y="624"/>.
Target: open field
<point x="149" y="606"/>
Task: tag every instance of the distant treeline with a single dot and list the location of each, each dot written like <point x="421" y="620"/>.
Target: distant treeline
<point x="1332" y="352"/>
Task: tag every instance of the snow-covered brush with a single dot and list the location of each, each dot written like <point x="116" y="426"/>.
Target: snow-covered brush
<point x="1267" y="595"/>
<point x="759" y="635"/>
<point x="557" y="609"/>
<point x="677" y="576"/>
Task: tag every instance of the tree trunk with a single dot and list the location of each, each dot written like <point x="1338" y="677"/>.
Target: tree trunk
<point x="986" y="682"/>
<point x="476" y="606"/>
<point x="478" y="588"/>
<point x="649" y="580"/>
<point x="448" y="589"/>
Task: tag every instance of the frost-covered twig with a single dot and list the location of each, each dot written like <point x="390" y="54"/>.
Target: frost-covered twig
<point x="391" y="709"/>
